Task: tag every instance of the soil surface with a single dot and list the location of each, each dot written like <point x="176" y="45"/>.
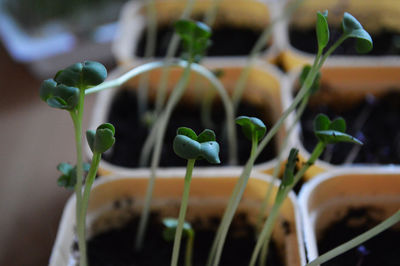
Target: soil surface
<point x="380" y="133"/>
<point x="130" y="134"/>
<point x="383" y="249"/>
<point x="115" y="247"/>
<point x="385" y="43"/>
<point x="225" y="41"/>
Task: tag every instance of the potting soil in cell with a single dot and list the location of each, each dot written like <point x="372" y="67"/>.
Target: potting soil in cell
<point x="384" y="43"/>
<point x="382" y="250"/>
<point x="115" y="247"/>
<point x="225" y="41"/>
<point x="380" y="133"/>
<point x="130" y="134"/>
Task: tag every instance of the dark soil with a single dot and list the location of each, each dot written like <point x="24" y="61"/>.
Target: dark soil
<point x="380" y="133"/>
<point x="115" y="247"/>
<point x="130" y="134"/>
<point x="382" y="250"/>
<point x="225" y="40"/>
<point x="385" y="42"/>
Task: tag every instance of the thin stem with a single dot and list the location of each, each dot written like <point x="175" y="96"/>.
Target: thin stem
<point x="151" y="36"/>
<point x="171" y="51"/>
<point x="389" y="222"/>
<point x="216" y="83"/>
<point x="211" y="13"/>
<point x="261" y="41"/>
<point x="280" y="197"/>
<point x="86" y="194"/>
<point x="189" y="248"/>
<point x="182" y="212"/>
<point x="160" y="125"/>
<point x="77" y="121"/>
<point x="219" y="241"/>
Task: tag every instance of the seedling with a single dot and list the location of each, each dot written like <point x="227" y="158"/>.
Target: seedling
<point x="191" y="147"/>
<point x="327" y="132"/>
<point x="352" y="29"/>
<point x="67" y="92"/>
<point x="254" y="130"/>
<point x="169" y="235"/>
<point x="358" y="240"/>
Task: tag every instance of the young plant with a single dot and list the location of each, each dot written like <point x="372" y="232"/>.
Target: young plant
<point x="352" y="29"/>
<point x="327" y="132"/>
<point x="254" y="130"/>
<point x="191" y="147"/>
<point x="358" y="240"/>
<point x="67" y="92"/>
<point x="169" y="235"/>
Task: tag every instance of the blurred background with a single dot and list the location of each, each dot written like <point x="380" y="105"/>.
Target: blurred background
<point x="38" y="37"/>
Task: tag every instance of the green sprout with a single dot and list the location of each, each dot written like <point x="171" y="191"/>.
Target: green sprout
<point x="254" y="130"/>
<point x="67" y="92"/>
<point x="327" y="132"/>
<point x="358" y="240"/>
<point x="191" y="147"/>
<point x="169" y="232"/>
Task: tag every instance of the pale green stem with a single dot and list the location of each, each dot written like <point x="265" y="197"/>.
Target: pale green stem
<point x="171" y="51"/>
<point x="151" y="36"/>
<point x="389" y="222"/>
<point x="85" y="200"/>
<point x="262" y="40"/>
<point x="161" y="125"/>
<point x="234" y="200"/>
<point x="182" y="212"/>
<point x="77" y="120"/>
<point x="189" y="248"/>
<point x="206" y="107"/>
<point x="211" y="13"/>
<point x="265" y="234"/>
<point x="216" y="83"/>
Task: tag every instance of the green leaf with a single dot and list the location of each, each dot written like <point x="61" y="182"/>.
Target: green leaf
<point x="59" y="96"/>
<point x="333" y="136"/>
<point x="288" y="175"/>
<point x="70" y="76"/>
<point x="210" y="152"/>
<point x="188" y="132"/>
<point x="353" y="29"/>
<point x="252" y="126"/>
<point x="322" y="30"/>
<point x="170" y="229"/>
<point x="339" y="124"/>
<point x="303" y="76"/>
<point x="68" y="177"/>
<point x="65" y="168"/>
<point x="195" y="38"/>
<point x="206" y="135"/>
<point x="321" y="122"/>
<point x="102" y="139"/>
<point x="186" y="148"/>
<point x="93" y="73"/>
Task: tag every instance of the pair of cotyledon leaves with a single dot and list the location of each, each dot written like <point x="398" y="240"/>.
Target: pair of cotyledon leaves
<point x="351" y="29"/>
<point x="170" y="229"/>
<point x="195" y="38"/>
<point x="188" y="145"/>
<point x="99" y="141"/>
<point x="330" y="132"/>
<point x="62" y="92"/>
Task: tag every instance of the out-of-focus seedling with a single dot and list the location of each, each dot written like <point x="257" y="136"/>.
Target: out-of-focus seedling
<point x="169" y="232"/>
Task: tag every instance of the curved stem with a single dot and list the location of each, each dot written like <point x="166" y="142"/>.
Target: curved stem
<point x="160" y="125"/>
<point x="389" y="222"/>
<point x="171" y="51"/>
<point x="182" y="212"/>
